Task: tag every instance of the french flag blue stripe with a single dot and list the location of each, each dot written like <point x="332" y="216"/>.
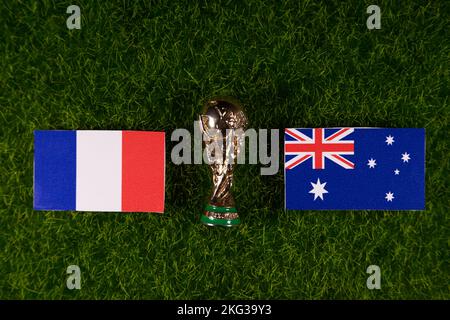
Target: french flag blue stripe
<point x="55" y="170"/>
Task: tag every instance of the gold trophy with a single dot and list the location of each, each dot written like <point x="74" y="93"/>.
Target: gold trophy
<point x="222" y="123"/>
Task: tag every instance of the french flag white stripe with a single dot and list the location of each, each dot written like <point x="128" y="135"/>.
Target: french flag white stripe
<point x="99" y="171"/>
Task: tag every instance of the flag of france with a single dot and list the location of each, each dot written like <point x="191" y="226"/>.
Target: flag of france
<point x="88" y="170"/>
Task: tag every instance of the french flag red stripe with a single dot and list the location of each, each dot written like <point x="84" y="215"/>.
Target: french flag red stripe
<point x="143" y="158"/>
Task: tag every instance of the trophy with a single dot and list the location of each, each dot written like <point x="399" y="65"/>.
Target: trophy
<point x="222" y="123"/>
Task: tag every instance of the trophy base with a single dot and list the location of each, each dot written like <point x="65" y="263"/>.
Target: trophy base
<point x="220" y="216"/>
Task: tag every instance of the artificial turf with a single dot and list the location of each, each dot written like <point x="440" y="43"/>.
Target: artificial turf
<point x="150" y="66"/>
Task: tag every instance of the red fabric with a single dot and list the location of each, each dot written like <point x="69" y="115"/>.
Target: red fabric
<point x="143" y="170"/>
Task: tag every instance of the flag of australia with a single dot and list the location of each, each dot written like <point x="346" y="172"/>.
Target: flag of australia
<point x="355" y="169"/>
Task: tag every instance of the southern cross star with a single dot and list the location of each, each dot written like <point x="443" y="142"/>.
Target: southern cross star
<point x="372" y="163"/>
<point x="390" y="140"/>
<point x="405" y="157"/>
<point x="389" y="196"/>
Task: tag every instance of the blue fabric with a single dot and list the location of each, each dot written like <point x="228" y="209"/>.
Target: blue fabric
<point x="363" y="187"/>
<point x="54" y="170"/>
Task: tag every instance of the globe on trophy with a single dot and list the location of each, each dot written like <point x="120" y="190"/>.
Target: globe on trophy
<point x="222" y="124"/>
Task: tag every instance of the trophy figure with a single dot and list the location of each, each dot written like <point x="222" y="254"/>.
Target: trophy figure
<point x="222" y="123"/>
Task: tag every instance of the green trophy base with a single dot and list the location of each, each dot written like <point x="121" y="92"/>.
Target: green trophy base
<point x="220" y="216"/>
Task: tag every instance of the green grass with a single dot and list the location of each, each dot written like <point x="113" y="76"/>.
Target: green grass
<point x="150" y="66"/>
